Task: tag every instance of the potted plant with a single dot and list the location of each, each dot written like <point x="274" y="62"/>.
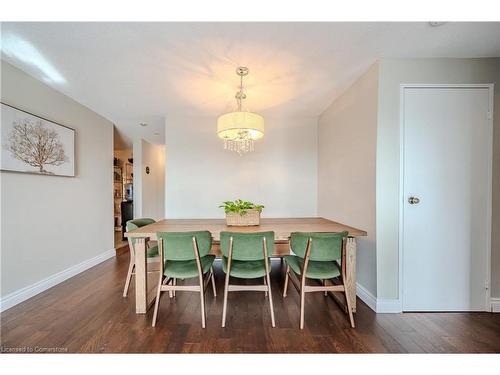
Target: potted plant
<point x="242" y="213"/>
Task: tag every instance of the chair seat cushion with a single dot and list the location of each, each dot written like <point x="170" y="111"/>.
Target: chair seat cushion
<point x="315" y="269"/>
<point x="152" y="251"/>
<point x="184" y="269"/>
<point x="246" y="269"/>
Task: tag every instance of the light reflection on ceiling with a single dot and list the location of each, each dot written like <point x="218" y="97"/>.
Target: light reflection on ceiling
<point x="23" y="51"/>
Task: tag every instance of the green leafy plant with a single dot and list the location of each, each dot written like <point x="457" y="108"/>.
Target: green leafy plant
<point x="240" y="206"/>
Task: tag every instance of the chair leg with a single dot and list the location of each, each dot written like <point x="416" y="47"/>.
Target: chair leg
<point x="129" y="277"/>
<point x="224" y="306"/>
<point x="286" y="281"/>
<point x="171" y="293"/>
<point x="265" y="283"/>
<point x="324" y="284"/>
<point x="213" y="281"/>
<point x="202" y="300"/>
<point x="270" y="294"/>
<point x="349" y="308"/>
<point x="157" y="302"/>
<point x="302" y="303"/>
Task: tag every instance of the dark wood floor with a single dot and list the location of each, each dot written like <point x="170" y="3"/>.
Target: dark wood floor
<point x="88" y="314"/>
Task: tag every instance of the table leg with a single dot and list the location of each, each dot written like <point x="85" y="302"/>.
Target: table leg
<point x="350" y="282"/>
<point x="141" y="279"/>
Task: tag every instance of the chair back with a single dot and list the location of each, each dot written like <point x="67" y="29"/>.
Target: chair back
<point x="137" y="223"/>
<point x="134" y="224"/>
<point x="247" y="246"/>
<point x="324" y="246"/>
<point x="179" y="245"/>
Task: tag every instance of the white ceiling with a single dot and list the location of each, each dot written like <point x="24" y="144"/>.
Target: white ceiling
<point x="147" y="72"/>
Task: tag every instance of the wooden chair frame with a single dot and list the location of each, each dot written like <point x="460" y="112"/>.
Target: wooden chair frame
<point x="302" y="288"/>
<point x="131" y="266"/>
<point x="169" y="284"/>
<point x="266" y="287"/>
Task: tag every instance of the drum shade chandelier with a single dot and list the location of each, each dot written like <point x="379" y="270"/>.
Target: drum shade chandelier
<point x="239" y="129"/>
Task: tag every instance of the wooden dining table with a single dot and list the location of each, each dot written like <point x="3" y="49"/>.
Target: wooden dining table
<point x="145" y="292"/>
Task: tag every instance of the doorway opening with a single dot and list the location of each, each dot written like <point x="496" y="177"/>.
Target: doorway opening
<point x="123" y="179"/>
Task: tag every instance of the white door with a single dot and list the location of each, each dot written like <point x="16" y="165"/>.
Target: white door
<point x="447" y="169"/>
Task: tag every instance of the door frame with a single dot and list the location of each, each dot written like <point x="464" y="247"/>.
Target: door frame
<point x="490" y="88"/>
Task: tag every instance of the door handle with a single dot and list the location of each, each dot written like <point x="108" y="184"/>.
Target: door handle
<point x="413" y="200"/>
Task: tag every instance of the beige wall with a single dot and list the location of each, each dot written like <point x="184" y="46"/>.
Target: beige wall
<point x="422" y="71"/>
<point x="51" y="223"/>
<point x="149" y="189"/>
<point x="347" y="133"/>
<point x="281" y="173"/>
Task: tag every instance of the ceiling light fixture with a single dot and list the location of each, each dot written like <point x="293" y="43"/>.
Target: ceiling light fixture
<point x="239" y="129"/>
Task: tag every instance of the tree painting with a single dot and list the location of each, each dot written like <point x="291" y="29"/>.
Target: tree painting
<point x="36" y="145"/>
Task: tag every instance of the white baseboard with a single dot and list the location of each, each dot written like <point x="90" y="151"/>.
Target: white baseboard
<point x="380" y="306"/>
<point x="23" y="294"/>
<point x="366" y="297"/>
<point x="495" y="305"/>
<point x="386" y="306"/>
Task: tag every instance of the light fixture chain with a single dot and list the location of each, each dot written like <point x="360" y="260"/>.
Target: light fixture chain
<point x="239" y="94"/>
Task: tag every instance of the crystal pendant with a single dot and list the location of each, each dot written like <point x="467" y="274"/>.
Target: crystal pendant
<point x="241" y="144"/>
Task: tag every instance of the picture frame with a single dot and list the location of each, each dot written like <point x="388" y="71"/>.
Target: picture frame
<point x="36" y="145"/>
<point x="117" y="174"/>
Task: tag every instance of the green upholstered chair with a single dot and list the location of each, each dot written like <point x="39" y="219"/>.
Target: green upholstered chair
<point x="246" y="256"/>
<point x="185" y="255"/>
<point x="151" y="249"/>
<point x="318" y="256"/>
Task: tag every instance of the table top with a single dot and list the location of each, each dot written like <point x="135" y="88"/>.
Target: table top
<point x="282" y="227"/>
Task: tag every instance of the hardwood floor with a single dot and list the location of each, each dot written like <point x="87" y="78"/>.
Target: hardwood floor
<point x="87" y="313"/>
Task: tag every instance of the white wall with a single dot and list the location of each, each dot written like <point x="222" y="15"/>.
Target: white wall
<point x="51" y="223"/>
<point x="149" y="189"/>
<point x="439" y="71"/>
<point x="281" y="173"/>
<point x="346" y="167"/>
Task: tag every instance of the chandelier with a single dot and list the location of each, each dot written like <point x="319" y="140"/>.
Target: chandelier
<point x="239" y="129"/>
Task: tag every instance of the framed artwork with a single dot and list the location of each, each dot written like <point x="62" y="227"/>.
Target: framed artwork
<point x="117" y="174"/>
<point x="33" y="144"/>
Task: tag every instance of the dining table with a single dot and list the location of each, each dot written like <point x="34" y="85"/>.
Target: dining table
<point x="145" y="284"/>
